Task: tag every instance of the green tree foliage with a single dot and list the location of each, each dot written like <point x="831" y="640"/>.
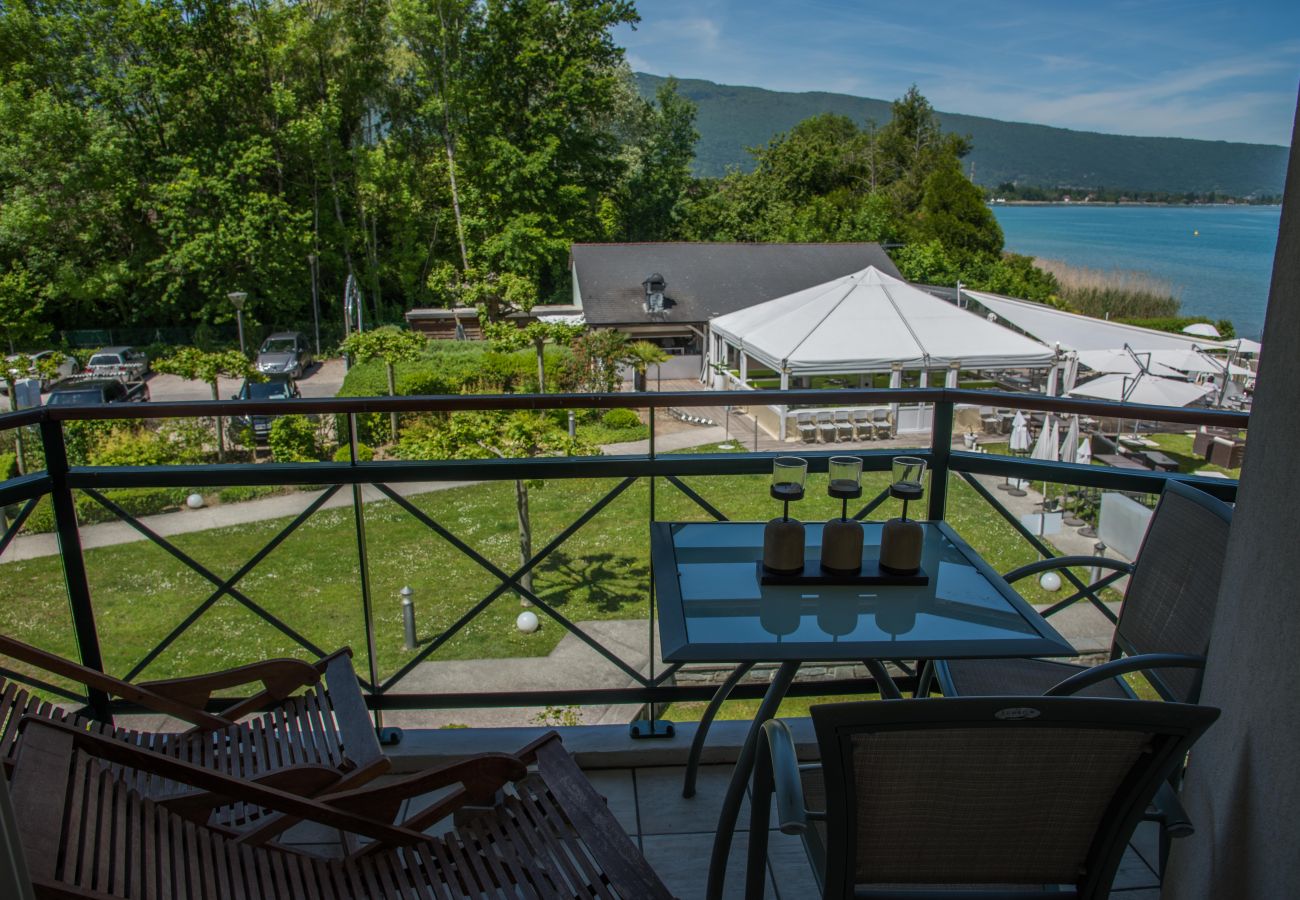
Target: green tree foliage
<point x="194" y="364"/>
<point x="392" y="346"/>
<point x="293" y="439"/>
<point x="641" y="355"/>
<point x="507" y="337"/>
<point x="593" y="366"/>
<point x="156" y="155"/>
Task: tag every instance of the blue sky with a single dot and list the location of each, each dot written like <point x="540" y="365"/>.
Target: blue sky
<point x="1217" y="71"/>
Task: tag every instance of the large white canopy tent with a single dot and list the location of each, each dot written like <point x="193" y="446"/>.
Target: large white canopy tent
<point x="870" y="322"/>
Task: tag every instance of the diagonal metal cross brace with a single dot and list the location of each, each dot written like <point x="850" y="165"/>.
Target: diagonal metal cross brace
<point x="12" y="531"/>
<point x="696" y="498"/>
<point x="1107" y="581"/>
<point x="871" y="505"/>
<point x="224" y="586"/>
<point x="508" y="582"/>
<point x="1038" y="545"/>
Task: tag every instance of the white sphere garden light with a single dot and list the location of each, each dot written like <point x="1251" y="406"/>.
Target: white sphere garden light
<point x="1050" y="581"/>
<point x="527" y="621"/>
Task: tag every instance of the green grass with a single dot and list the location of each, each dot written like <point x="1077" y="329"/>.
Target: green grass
<point x="1179" y="447"/>
<point x="790" y="708"/>
<point x="310" y="581"/>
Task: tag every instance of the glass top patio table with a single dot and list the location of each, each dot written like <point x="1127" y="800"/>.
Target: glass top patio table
<point x="713" y="608"/>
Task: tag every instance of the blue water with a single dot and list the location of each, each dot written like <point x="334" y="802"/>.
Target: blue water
<point x="1223" y="272"/>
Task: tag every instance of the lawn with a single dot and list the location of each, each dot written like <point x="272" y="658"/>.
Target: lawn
<point x="311" y="580"/>
<point x="1179" y="446"/>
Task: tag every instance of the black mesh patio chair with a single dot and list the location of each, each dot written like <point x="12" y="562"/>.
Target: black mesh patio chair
<point x="969" y="797"/>
<point x="1163" y="630"/>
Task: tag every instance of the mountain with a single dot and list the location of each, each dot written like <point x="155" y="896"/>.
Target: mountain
<point x="732" y="118"/>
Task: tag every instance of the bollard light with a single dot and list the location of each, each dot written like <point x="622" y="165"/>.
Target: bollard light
<point x="527" y="621"/>
<point x="1050" y="581"/>
<point x="408" y="616"/>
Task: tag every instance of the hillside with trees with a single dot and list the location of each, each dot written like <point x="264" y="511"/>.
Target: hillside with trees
<point x="733" y="118"/>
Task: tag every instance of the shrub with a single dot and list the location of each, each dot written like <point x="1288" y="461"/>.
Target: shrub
<point x="241" y="493"/>
<point x="8" y="465"/>
<point x="293" y="439"/>
<point x="364" y="453"/>
<point x="621" y="418"/>
<point x="136" y="501"/>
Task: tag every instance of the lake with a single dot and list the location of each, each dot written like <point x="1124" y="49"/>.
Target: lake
<point x="1218" y="259"/>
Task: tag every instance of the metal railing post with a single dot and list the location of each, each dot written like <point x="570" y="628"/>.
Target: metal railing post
<point x="386" y="735"/>
<point x="651" y="727"/>
<point x="940" y="451"/>
<point x="74" y="564"/>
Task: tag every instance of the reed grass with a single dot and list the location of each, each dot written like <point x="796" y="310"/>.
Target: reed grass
<point x="1112" y="293"/>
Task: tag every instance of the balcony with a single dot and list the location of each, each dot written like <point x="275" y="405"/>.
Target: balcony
<point x="327" y="566"/>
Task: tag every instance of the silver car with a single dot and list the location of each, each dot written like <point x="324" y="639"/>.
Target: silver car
<point x="67" y="366"/>
<point x="284" y="353"/>
<point x="119" y="362"/>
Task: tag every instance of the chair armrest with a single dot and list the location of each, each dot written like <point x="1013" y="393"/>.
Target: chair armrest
<point x="791" y="814"/>
<point x="480" y="778"/>
<point x="44" y="733"/>
<point x="279" y="677"/>
<point x="1117" y="667"/>
<point x="1061" y="562"/>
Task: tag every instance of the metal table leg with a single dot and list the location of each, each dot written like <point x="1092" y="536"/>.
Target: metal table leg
<point x="702" y="732"/>
<point x="888" y="689"/>
<point x="740" y="777"/>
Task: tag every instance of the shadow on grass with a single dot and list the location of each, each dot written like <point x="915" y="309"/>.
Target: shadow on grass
<point x="606" y="582"/>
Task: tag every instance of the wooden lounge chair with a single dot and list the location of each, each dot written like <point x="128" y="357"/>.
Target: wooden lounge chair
<point x="880" y="418"/>
<point x="320" y="738"/>
<point x="826" y="427"/>
<point x="87" y="833"/>
<point x="843" y="425"/>
<point x="807" y="430"/>
<point x="972" y="797"/>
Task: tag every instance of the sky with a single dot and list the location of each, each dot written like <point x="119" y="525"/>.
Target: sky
<point x="1216" y="71"/>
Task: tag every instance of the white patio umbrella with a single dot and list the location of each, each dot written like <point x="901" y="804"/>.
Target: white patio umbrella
<point x="1070" y="448"/>
<point x="1084" y="454"/>
<point x="1147" y="389"/>
<point x="1048" y="447"/>
<point x="1122" y="362"/>
<point x="1018" y="443"/>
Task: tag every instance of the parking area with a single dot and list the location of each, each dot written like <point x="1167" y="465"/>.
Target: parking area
<point x="323" y="379"/>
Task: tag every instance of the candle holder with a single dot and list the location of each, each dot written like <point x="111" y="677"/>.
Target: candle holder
<point x="842" y="537"/>
<point x="902" y="540"/>
<point x="783" y="538"/>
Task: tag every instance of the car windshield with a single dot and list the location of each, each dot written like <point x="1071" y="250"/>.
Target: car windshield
<point x="278" y="345"/>
<point x="266" y="390"/>
<point x="66" y="398"/>
<point x="106" y="359"/>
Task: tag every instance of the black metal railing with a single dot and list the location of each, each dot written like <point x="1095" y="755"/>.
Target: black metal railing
<point x="59" y="481"/>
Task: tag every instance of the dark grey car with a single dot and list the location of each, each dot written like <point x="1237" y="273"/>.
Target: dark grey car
<point x="284" y="353"/>
<point x="277" y="387"/>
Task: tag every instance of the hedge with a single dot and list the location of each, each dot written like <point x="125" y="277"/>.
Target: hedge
<point x="136" y="501"/>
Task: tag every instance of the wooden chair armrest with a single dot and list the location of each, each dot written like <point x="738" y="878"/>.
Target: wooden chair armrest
<point x="1061" y="562"/>
<point x="43" y="731"/>
<point x="279" y="677"/>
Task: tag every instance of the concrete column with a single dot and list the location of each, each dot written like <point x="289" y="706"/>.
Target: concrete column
<point x="1243" y="784"/>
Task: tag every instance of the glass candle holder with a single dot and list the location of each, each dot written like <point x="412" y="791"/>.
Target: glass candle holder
<point x="788" y="476"/>
<point x="909" y="480"/>
<point x="845" y="480"/>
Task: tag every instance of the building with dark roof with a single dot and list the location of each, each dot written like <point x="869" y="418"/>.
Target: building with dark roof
<point x="612" y="283"/>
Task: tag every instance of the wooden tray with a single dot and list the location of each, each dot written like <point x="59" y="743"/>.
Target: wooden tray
<point x="812" y="573"/>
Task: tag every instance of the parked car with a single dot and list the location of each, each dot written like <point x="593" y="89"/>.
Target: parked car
<point x="277" y="388"/>
<point x="80" y="390"/>
<point x="284" y="353"/>
<point x="67" y="366"/>
<point x="119" y="362"/>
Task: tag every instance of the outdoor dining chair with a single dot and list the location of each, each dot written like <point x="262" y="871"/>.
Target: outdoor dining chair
<point x="976" y="797"/>
<point x="862" y="424"/>
<point x="517" y="832"/>
<point x="1163" y="630"/>
<point x="826" y="426"/>
<point x="307" y="729"/>
<point x="881" y="419"/>
<point x="843" y="425"/>
<point x="807" y="430"/>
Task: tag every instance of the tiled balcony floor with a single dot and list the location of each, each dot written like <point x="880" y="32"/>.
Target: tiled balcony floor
<point x="676" y="836"/>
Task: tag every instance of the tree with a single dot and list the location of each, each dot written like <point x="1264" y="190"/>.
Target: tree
<point x="640" y="356"/>
<point x="954" y="213"/>
<point x="593" y="367"/>
<point x="390" y="344"/>
<point x="659" y="155"/>
<point x="194" y="364"/>
<point x="506" y="336"/>
<point x="501" y="435"/>
<point x="14" y="370"/>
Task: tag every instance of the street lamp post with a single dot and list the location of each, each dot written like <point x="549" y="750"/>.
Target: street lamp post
<point x="238" y="298"/>
<point x="312" y="259"/>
